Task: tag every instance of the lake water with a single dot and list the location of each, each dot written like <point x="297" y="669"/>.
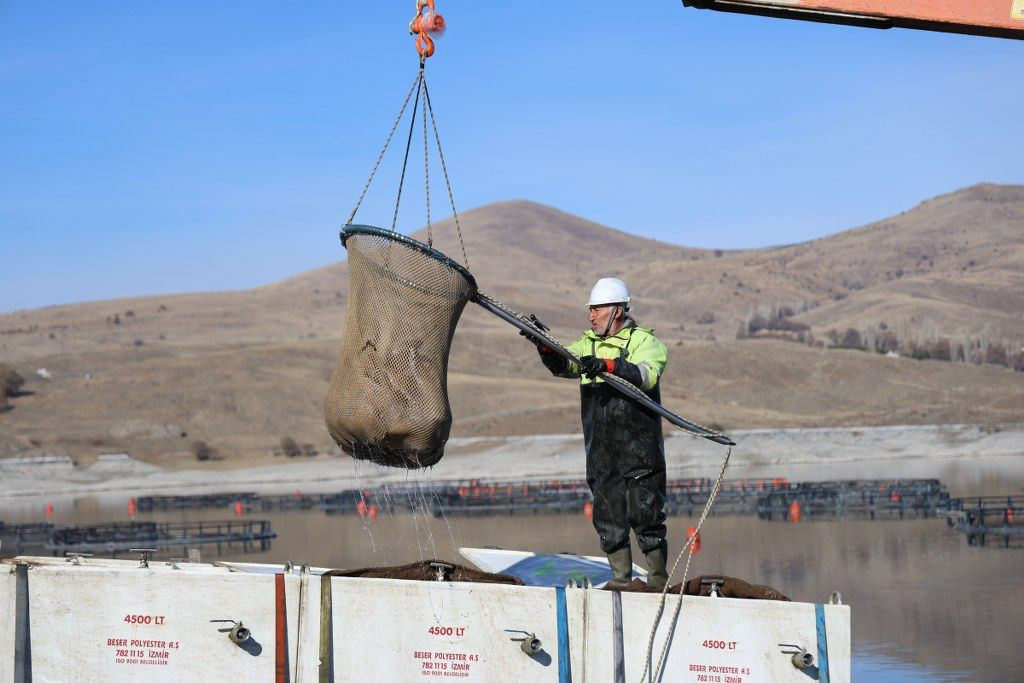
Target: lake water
<point x="925" y="604"/>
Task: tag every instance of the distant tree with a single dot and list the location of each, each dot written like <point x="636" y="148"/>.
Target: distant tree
<point x="996" y="354"/>
<point x="936" y="350"/>
<point x="290" y="448"/>
<point x="10" y="381"/>
<point x="942" y="350"/>
<point x="201" y="450"/>
<point x="785" y="325"/>
<point x="851" y="339"/>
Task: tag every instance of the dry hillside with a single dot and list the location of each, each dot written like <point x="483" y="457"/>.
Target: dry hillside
<point x="243" y="369"/>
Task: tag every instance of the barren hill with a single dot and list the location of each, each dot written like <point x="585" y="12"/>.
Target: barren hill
<point x="243" y="369"/>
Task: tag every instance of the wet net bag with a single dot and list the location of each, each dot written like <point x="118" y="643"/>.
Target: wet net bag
<point x="388" y="398"/>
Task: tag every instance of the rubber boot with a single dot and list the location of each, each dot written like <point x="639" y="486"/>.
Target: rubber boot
<point x="657" y="575"/>
<point x="621" y="562"/>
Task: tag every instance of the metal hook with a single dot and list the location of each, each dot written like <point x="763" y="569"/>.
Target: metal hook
<point x="424" y="23"/>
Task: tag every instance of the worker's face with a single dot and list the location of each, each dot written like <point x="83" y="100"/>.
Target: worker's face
<point x="600" y="315"/>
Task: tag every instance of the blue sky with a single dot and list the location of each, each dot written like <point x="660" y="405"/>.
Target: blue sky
<point x="168" y="147"/>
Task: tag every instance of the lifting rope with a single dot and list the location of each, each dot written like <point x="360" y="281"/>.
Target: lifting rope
<point x="422" y="26"/>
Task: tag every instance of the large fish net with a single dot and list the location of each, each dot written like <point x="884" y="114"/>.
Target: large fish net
<point x="388" y="398"/>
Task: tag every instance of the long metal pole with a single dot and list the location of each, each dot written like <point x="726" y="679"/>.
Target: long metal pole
<point x="617" y="382"/>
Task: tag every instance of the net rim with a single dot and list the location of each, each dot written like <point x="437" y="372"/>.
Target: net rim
<point x="353" y="229"/>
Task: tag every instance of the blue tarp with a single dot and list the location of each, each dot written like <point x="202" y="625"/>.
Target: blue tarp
<point x="557" y="570"/>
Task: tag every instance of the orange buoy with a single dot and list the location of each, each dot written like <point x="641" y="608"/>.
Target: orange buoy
<point x="131" y="508"/>
<point x="239" y="508"/>
<point x="794" y="511"/>
<point x="692" y="533"/>
<point x="49" y="509"/>
<point x="588" y="510"/>
<point x="373" y="512"/>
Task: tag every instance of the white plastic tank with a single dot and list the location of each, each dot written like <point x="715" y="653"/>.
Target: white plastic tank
<point x="117" y="620"/>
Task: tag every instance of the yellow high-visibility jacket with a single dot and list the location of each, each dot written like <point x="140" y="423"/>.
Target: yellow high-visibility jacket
<point x="638" y="345"/>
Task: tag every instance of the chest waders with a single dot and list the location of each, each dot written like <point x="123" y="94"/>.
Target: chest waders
<point x="625" y="465"/>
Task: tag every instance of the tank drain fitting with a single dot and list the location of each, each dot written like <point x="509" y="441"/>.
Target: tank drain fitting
<point x="531" y="644"/>
<point x="239" y="633"/>
<point x="803" y="659"/>
<point x="528" y="643"/>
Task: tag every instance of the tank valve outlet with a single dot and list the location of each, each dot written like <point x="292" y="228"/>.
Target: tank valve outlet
<point x="802" y="659"/>
<point x="443" y="570"/>
<point x="144" y="554"/>
<point x="714" y="585"/>
<point x="76" y="558"/>
<point x="531" y="644"/>
<point x="239" y="634"/>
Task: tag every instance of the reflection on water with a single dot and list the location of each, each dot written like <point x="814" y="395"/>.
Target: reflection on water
<point x="871" y="663"/>
<point x="926" y="606"/>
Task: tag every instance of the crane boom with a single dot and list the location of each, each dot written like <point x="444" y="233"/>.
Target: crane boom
<point x="997" y="18"/>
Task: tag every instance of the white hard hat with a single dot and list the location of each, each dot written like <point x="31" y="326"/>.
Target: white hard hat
<point x="609" y="290"/>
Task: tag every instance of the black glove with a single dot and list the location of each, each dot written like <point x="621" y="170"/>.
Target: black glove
<point x="536" y="341"/>
<point x="556" y="364"/>
<point x="591" y="366"/>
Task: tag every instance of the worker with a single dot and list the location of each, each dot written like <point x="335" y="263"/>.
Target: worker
<point x="624" y="444"/>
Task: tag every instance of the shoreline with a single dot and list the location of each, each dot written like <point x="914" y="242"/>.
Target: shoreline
<point x="800" y="454"/>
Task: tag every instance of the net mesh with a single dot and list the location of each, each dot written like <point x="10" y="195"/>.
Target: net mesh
<point x="388" y="397"/>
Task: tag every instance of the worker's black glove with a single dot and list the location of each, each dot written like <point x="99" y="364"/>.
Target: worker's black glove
<point x="552" y="361"/>
<point x="556" y="364"/>
<point x="536" y="341"/>
<point x="591" y="366"/>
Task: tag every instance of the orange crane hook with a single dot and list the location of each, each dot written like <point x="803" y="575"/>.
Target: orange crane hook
<point x="423" y="24"/>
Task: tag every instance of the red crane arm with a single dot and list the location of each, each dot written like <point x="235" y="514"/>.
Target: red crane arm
<point x="998" y="18"/>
